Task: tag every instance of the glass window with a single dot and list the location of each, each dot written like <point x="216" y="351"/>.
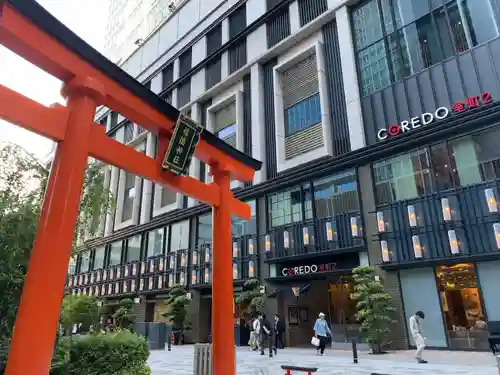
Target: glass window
<point x="367" y="26"/>
<point x="168" y="196"/>
<point x="303" y="115"/>
<point x="227" y="131"/>
<point x="128" y="197"/>
<point x="403" y="177"/>
<point x="476" y="158"/>
<point x="241" y="227"/>
<point x="115" y="254"/>
<point x="404" y="37"/>
<point x="156" y="239"/>
<point x="290" y="206"/>
<point x="179" y="236"/>
<point x="442" y="166"/>
<point x="99" y="258"/>
<point x="85" y="262"/>
<point x="205" y="229"/>
<point x="129" y="132"/>
<point x="336" y="194"/>
<point x="134" y="249"/>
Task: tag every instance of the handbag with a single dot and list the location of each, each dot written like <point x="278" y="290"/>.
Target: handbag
<point x="315" y="341"/>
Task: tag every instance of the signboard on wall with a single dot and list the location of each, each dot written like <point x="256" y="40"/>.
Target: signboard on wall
<point x="428" y="118"/>
<point x="182" y="146"/>
<point x="318" y="265"/>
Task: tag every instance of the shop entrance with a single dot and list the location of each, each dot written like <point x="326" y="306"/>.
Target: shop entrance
<point x="461" y="305"/>
<point x="342" y="310"/>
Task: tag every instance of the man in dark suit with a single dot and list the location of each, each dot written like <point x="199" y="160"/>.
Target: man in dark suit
<point x="279" y="329"/>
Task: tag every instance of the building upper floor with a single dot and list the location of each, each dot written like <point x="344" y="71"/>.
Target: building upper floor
<point x="315" y="88"/>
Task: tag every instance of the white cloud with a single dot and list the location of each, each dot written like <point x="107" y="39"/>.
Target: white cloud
<point x="88" y="19"/>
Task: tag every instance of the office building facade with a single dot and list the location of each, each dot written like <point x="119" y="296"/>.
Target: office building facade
<point x="376" y="122"/>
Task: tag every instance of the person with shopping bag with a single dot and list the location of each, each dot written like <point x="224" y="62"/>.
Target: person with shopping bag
<point x="321" y="334"/>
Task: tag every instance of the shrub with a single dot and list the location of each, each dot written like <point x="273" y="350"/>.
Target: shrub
<point x="112" y="353"/>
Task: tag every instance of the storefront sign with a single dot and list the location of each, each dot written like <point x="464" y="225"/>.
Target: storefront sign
<point x="303" y="270"/>
<point x="439" y="114"/>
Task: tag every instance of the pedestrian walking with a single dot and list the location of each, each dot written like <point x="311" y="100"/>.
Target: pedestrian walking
<point x="321" y="332"/>
<point x="265" y="333"/>
<point x="417" y="331"/>
<point x="279" y="331"/>
<point x="254" y="327"/>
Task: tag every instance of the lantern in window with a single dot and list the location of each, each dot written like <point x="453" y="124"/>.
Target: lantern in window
<point x="194" y="277"/>
<point x="134" y="269"/>
<point x="117" y="288"/>
<point x="143" y="267"/>
<point x="118" y="272"/>
<point x="125" y="287"/>
<point x="251" y="250"/>
<point x="286" y="239"/>
<point x="206" y="276"/>
<point x="235" y="249"/>
<point x="235" y="271"/>
<point x="152" y="266"/>
<point x="251" y="269"/>
<point x="207" y="255"/>
<point x="104" y="275"/>
<point x="445" y="207"/>
<point x="161" y="263"/>
<point x="491" y="200"/>
<point x="172" y="262"/>
<point x="496" y="231"/>
<point x="150" y="283"/>
<point x="386" y="256"/>
<point x="183" y="260"/>
<point x="268" y="242"/>
<point x="125" y="271"/>
<point x="453" y="240"/>
<point x="380" y="222"/>
<point x="110" y="288"/>
<point x="194" y="259"/>
<point x="182" y="279"/>
<point x="417" y="248"/>
<point x="170" y="280"/>
<point x="160" y="282"/>
<point x="133" y="286"/>
<point x="354" y="227"/>
<point x="141" y="284"/>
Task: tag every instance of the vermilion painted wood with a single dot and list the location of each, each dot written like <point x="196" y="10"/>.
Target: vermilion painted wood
<point x="72" y="126"/>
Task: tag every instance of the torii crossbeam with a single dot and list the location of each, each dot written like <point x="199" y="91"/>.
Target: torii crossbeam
<point x="90" y="80"/>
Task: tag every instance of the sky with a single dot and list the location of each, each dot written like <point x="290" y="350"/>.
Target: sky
<point x="88" y="19"/>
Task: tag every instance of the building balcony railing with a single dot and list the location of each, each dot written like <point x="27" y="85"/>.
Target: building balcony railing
<point x="455" y="224"/>
<point x="245" y="261"/>
<point x="339" y="233"/>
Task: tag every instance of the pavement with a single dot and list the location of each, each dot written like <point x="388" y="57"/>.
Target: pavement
<point x="180" y="362"/>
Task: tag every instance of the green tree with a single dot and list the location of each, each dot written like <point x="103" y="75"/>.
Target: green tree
<point x="79" y="309"/>
<point x="251" y="301"/>
<point x="124" y="315"/>
<point x="178" y="303"/>
<point x="374" y="310"/>
<point x="23" y="179"/>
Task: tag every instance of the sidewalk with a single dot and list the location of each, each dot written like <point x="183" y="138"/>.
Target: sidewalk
<point x="180" y="362"/>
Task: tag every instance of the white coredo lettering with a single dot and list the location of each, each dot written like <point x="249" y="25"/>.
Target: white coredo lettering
<point x="414" y="123"/>
<point x="299" y="270"/>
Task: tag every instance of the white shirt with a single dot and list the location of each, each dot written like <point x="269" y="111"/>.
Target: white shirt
<point x="416" y="325"/>
<point x="256" y="325"/>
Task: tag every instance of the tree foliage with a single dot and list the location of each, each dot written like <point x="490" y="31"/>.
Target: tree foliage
<point x="178" y="303"/>
<point x="374" y="310"/>
<point x="79" y="309"/>
<point x="251" y="301"/>
<point x="23" y="179"/>
<point x="124" y="315"/>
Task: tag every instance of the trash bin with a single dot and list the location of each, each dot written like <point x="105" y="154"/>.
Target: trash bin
<point x="157" y="335"/>
<point x="202" y="364"/>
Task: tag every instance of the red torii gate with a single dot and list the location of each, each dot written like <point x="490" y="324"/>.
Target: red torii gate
<point x="91" y="80"/>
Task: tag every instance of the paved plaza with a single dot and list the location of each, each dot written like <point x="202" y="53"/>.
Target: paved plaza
<point x="180" y="362"/>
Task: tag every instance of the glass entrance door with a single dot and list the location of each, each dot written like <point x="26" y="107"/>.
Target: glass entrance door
<point x="342" y="310"/>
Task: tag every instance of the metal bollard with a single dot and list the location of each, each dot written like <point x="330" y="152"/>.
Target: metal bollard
<point x="354" y="351"/>
<point x="498" y="362"/>
<point x="169" y="336"/>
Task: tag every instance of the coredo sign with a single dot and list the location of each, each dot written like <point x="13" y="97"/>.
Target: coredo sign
<point x="429" y="118"/>
<point x="303" y="270"/>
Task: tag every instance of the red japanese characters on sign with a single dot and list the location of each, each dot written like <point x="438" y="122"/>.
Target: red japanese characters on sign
<point x="441" y="113"/>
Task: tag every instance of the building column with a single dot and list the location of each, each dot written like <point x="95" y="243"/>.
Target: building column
<point x="258" y="133"/>
<point x="147" y="187"/>
<point x="294" y="17"/>
<point x="350" y="78"/>
<point x="390" y="279"/>
<point x="107" y="186"/>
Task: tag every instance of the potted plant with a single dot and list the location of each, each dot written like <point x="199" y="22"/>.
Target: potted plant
<point x="178" y="303"/>
<point x="250" y="303"/>
<point x="374" y="311"/>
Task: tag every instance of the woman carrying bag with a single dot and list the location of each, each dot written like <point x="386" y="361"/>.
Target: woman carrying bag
<point x="321" y="334"/>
